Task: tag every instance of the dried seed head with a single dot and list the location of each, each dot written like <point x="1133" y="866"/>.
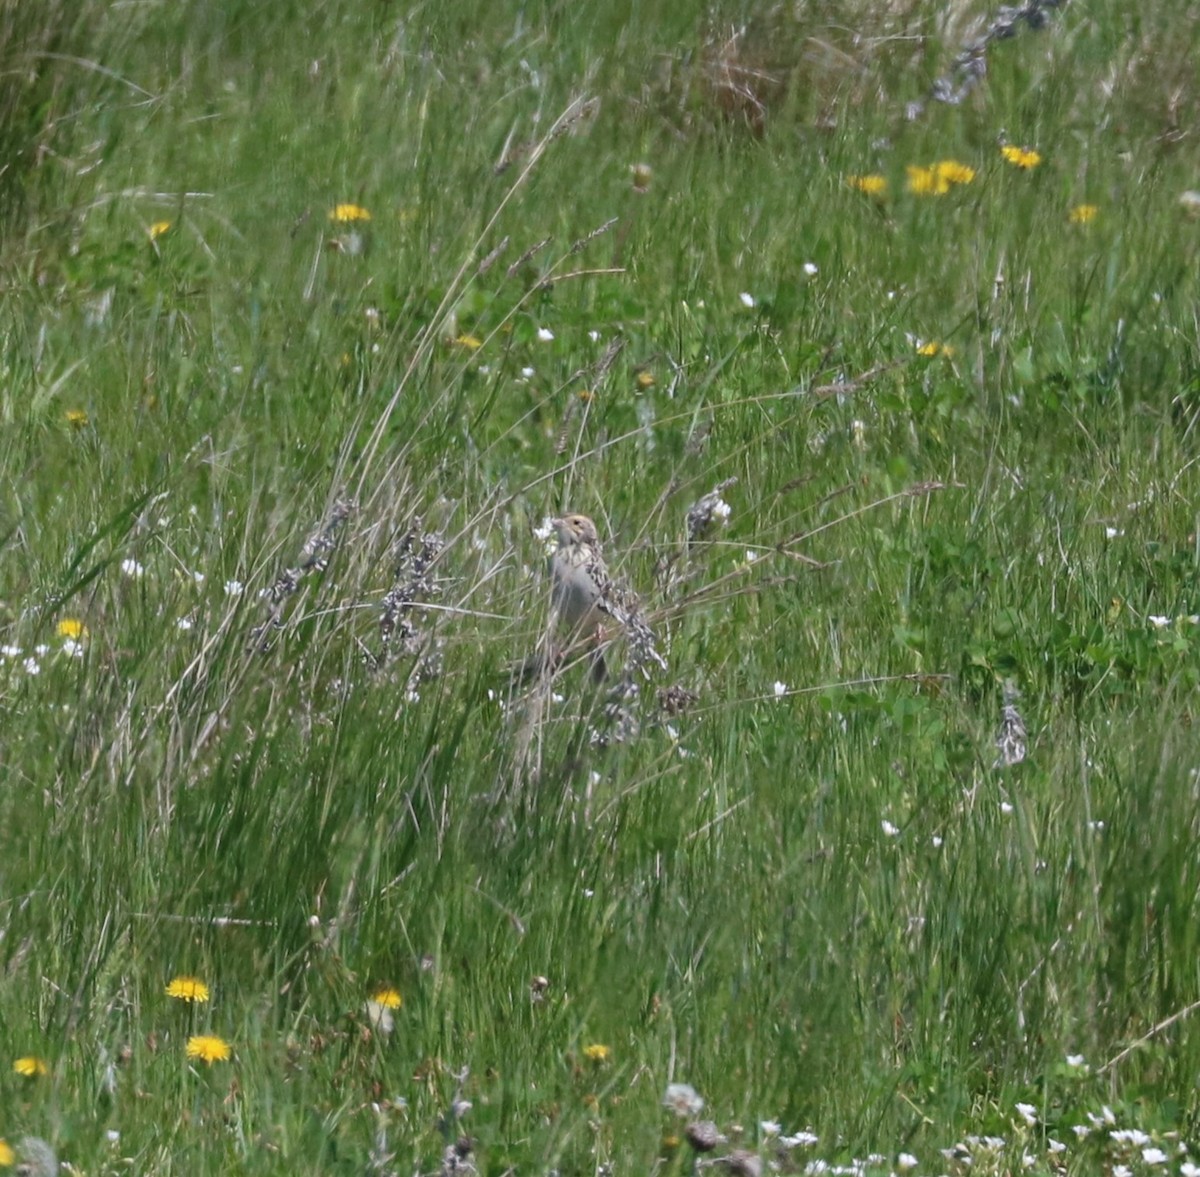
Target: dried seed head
<point x="744" y="1164"/>
<point x="1010" y="742"/>
<point x="703" y="1135"/>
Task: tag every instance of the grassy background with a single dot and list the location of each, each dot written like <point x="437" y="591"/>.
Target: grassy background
<point x="718" y="901"/>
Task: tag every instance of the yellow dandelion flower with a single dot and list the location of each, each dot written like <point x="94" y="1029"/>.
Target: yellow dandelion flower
<point x="31" y="1067"/>
<point x="188" y="989"/>
<point x="73" y="628"/>
<point x="933" y="348"/>
<point x="344" y="214"/>
<point x="926" y="181"/>
<point x="1083" y="214"/>
<point x="954" y="172"/>
<point x="7" y="1156"/>
<point x="388" y="998"/>
<point x="76" y="418"/>
<point x="597" y="1052"/>
<point x="871" y="185"/>
<point x="208" y="1048"/>
<point x="1021" y="157"/>
<point x="645" y="380"/>
<point x="158" y="229"/>
<point x="470" y="342"/>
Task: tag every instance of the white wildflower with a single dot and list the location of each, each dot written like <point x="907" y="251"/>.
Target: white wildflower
<point x="545" y="335"/>
<point x="1028" y="1113"/>
<point x="1134" y="1136"/>
<point x="889" y="829"/>
<point x="748" y="300"/>
<point x="798" y="1140"/>
<point x="1154" y="1156"/>
<point x="781" y="689"/>
<point x="132" y="568"/>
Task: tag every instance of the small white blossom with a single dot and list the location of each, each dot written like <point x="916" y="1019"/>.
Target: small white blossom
<point x="132" y="568"/>
<point x="1006" y="807"/>
<point x="1158" y="620"/>
<point x="114" y="1137"/>
<point x="1076" y="1060"/>
<point x="810" y="268"/>
<point x="545" y="335"/>
<point x="798" y="1139"/>
<point x="1081" y="1130"/>
<point x="1187" y="1169"/>
<point x="1055" y="1146"/>
<point x="528" y="373"/>
<point x="770" y="1127"/>
<point x="1134" y="1136"/>
<point x="781" y="689"/>
<point x="32" y="666"/>
<point x="594" y="336"/>
<point x="906" y="1161"/>
<point x="1028" y="1113"/>
<point x="10" y="651"/>
<point x="73" y="649"/>
<point x="1122" y="1171"/>
<point x="1154" y="1156"/>
<point x="748" y="300"/>
<point x="889" y="829"/>
<point x="937" y="841"/>
<point x="184" y="623"/>
<point x="1113" y="533"/>
<point x="234" y="588"/>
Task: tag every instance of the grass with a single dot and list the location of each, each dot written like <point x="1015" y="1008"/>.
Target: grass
<point x="810" y="893"/>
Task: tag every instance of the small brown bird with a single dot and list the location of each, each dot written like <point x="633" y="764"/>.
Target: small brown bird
<point x="586" y="600"/>
<point x="580" y="582"/>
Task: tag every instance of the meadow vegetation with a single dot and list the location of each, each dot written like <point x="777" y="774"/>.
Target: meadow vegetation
<point x="313" y="312"/>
